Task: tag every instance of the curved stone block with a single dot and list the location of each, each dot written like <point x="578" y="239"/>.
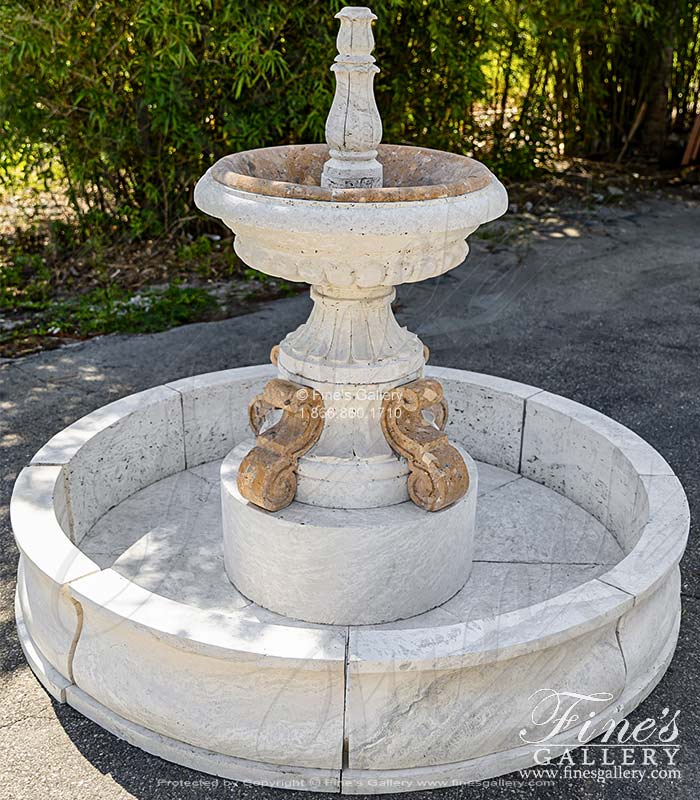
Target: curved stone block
<point x="220" y="683"/>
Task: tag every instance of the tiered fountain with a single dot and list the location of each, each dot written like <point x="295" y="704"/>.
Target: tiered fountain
<point x="305" y="595"/>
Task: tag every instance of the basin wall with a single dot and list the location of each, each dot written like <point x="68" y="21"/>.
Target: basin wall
<point x="96" y="640"/>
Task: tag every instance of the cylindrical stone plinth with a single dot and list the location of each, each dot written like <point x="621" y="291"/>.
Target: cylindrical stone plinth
<point x="346" y="566"/>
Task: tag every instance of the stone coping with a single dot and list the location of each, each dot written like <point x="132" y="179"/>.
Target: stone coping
<point x="43" y="509"/>
<point x="294" y="171"/>
<point x="211" y="634"/>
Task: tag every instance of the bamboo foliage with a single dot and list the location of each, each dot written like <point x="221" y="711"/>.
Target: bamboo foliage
<point x="127" y="102"/>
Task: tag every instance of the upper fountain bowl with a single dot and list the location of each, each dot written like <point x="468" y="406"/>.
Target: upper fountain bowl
<point x="288" y="225"/>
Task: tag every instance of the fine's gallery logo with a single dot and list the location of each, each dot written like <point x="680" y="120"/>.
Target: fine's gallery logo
<point x="555" y="712"/>
<point x="563" y="724"/>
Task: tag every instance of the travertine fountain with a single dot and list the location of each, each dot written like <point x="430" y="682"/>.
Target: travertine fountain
<point x="354" y="434"/>
<point x="278" y="573"/>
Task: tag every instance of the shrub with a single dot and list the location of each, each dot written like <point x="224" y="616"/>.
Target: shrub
<point x="128" y="102"/>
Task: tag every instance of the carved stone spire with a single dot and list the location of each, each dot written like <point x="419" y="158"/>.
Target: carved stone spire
<point x="353" y="127"/>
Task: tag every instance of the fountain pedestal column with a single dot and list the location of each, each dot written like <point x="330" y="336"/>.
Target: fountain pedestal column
<point x="352" y="548"/>
<point x="354" y="353"/>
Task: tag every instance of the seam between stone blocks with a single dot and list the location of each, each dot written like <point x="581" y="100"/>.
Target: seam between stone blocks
<point x="80" y="614"/>
<point x="618" y="623"/>
<point x="547" y="564"/>
<point x="182" y="425"/>
<point x="76" y="635"/>
<point x="518" y="477"/>
<point x="622" y="652"/>
<point x="601" y="578"/>
<point x="345" y="754"/>
<point x="69" y="504"/>
<point x="522" y="427"/>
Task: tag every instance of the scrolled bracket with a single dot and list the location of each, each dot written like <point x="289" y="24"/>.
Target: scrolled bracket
<point x="438" y="475"/>
<point x="267" y="475"/>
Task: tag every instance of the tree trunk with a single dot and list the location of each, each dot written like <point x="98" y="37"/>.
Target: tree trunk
<point x="656" y="127"/>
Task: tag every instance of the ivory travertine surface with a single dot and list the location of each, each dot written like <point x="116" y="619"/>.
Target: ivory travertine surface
<point x="591" y="459"/>
<point x="215" y="410"/>
<point x="396" y="714"/>
<point x="258" y="694"/>
<point x="142" y="434"/>
<point x="346" y="566"/>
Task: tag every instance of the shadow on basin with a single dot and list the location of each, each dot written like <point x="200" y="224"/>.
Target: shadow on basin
<point x="148" y="777"/>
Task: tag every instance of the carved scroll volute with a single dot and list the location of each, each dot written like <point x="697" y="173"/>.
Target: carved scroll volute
<point x="438" y="475"/>
<point x="267" y="475"/>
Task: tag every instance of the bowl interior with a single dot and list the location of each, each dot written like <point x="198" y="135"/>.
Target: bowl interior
<point x="410" y="173"/>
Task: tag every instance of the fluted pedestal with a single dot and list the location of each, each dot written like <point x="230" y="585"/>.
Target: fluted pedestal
<point x="353" y="352"/>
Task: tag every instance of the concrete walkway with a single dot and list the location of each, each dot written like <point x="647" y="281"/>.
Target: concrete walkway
<point x="600" y="306"/>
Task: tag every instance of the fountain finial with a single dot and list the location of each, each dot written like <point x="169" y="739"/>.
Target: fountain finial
<point x="353" y="127"/>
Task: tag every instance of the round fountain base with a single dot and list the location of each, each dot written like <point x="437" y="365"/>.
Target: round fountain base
<point x="125" y="611"/>
<point x="346" y="566"/>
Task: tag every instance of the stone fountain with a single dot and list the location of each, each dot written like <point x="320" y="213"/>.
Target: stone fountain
<point x="353" y="218"/>
<point x="280" y="574"/>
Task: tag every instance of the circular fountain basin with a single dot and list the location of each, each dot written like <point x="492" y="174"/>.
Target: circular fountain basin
<point x="289" y="226"/>
<point x="125" y="612"/>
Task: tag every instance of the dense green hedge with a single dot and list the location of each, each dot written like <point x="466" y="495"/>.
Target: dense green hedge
<point x="128" y="101"/>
